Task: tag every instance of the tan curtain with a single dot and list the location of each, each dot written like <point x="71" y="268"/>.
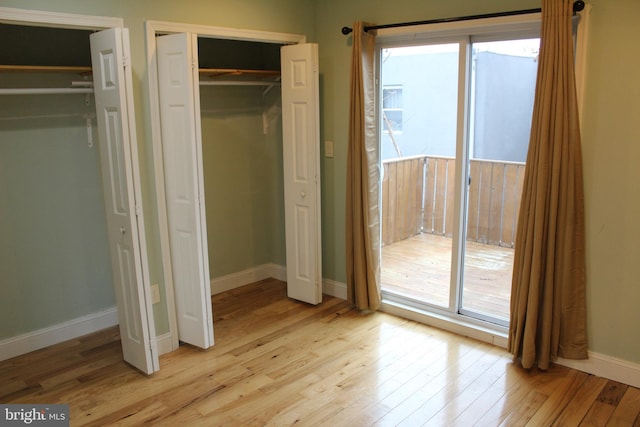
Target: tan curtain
<point x="362" y="223"/>
<point x="548" y="302"/>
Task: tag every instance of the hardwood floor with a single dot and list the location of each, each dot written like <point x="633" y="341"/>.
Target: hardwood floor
<point x="278" y="362"/>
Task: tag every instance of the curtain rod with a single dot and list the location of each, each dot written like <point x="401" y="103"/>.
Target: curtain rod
<point x="578" y="6"/>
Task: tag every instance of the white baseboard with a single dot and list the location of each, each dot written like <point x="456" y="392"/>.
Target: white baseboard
<point x="241" y="278"/>
<point x="458" y="326"/>
<point x="266" y="271"/>
<point x="608" y="367"/>
<point x="165" y="344"/>
<point x="278" y="272"/>
<point x="335" y="289"/>
<point x="31" y="341"/>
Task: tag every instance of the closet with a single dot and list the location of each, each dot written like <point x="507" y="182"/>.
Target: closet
<point x="237" y="196"/>
<point x="71" y="245"/>
<point x="241" y="125"/>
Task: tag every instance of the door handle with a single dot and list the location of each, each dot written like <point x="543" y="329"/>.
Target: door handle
<point x="303" y="194"/>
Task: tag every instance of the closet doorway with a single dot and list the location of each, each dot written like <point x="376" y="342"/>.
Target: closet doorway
<point x="118" y="161"/>
<point x="178" y="89"/>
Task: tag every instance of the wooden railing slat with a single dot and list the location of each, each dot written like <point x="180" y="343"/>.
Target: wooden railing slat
<point x="493" y="199"/>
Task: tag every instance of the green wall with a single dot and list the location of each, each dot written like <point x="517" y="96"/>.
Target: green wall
<point x="54" y="255"/>
<point x="243" y="178"/>
<point x="611" y="153"/>
<point x="611" y="129"/>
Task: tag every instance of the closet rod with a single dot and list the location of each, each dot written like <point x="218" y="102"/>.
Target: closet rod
<point x="578" y="6"/>
<point x="225" y="111"/>
<point x="237" y="83"/>
<point x="44" y="91"/>
<point x="49" y="116"/>
<point x="46" y="68"/>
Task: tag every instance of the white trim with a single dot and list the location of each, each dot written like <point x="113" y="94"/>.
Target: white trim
<point x="57" y="19"/>
<point x="475" y="28"/>
<point x="165" y="344"/>
<point x="605" y="366"/>
<point x="580" y="63"/>
<point x="457" y="326"/>
<point x="335" y="289"/>
<point x="223" y="32"/>
<point x="245" y="277"/>
<point x="151" y="29"/>
<point x="31" y="341"/>
<point x="266" y="271"/>
<point x="279" y="272"/>
<point x="161" y="201"/>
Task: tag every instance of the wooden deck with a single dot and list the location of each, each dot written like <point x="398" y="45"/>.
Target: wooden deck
<point x="419" y="267"/>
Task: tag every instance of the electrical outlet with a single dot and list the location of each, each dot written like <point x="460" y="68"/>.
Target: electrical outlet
<point x="155" y="293"/>
<point x="328" y="148"/>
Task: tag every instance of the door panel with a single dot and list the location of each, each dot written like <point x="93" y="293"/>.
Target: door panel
<point x="118" y="154"/>
<point x="301" y="155"/>
<point x="466" y="117"/>
<point x="419" y="158"/>
<point x="181" y="147"/>
<point x="506" y="70"/>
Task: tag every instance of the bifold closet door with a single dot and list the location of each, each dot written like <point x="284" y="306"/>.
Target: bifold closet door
<point x="118" y="155"/>
<point x="301" y="159"/>
<point x="184" y="186"/>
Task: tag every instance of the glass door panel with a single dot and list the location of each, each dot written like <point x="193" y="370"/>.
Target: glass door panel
<point x="418" y="128"/>
<point x="503" y="78"/>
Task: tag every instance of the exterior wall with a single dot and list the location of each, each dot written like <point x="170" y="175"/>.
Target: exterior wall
<point x="503" y="105"/>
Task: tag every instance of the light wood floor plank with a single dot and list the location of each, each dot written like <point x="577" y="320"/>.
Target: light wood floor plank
<point x="628" y="410"/>
<point x="579" y="403"/>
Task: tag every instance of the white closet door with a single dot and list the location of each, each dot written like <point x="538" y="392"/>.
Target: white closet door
<point x="184" y="186"/>
<point x="301" y="154"/>
<point x="118" y="155"/>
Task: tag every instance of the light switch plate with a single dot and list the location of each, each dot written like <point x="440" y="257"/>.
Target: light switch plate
<point x="155" y="294"/>
<point x="328" y="148"/>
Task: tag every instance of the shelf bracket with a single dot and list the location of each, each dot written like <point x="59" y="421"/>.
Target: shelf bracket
<point x="89" y="130"/>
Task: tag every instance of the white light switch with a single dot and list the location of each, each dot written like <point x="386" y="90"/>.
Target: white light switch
<point x="155" y="294"/>
<point x="328" y="148"/>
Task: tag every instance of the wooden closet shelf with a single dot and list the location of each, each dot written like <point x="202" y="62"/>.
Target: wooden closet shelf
<point x="45" y="69"/>
<point x="228" y="72"/>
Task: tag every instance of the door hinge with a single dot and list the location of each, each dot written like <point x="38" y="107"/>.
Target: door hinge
<point x="125" y="61"/>
<point x="138" y="210"/>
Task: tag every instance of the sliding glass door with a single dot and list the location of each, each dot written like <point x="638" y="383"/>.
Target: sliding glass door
<point x="454" y="131"/>
<point x="418" y="141"/>
<point x="503" y="76"/>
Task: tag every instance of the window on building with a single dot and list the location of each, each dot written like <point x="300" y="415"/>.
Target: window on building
<point x="392" y="108"/>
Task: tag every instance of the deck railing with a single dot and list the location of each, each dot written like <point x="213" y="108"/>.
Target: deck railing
<point x="418" y="192"/>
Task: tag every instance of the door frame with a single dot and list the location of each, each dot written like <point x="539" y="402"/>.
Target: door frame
<point x="461" y="32"/>
<point x="152" y="29"/>
<point x="444" y="319"/>
<point x="41" y="18"/>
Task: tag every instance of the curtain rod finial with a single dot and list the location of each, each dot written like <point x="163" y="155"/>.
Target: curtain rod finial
<point x="346" y="30"/>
